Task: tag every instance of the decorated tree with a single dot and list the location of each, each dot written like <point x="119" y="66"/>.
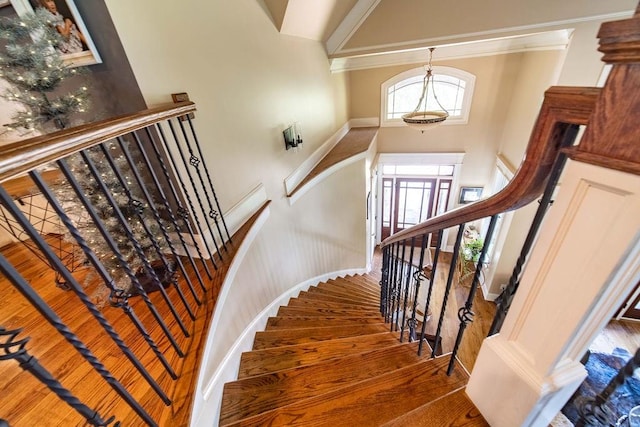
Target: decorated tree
<point x="33" y="66"/>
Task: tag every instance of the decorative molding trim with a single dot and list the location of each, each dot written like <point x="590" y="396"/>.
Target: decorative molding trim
<point x="325" y="173"/>
<point x="296" y="177"/>
<point x="224" y="292"/>
<point x="350" y="24"/>
<point x="228" y="368"/>
<point x="239" y="213"/>
<point x="549" y="40"/>
<point x="364" y="122"/>
<point x="420" y="158"/>
<point x="491" y="34"/>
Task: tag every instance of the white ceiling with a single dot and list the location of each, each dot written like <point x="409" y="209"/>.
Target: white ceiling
<point x="361" y="34"/>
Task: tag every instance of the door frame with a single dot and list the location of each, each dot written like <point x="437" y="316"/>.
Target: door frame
<point x="454" y="159"/>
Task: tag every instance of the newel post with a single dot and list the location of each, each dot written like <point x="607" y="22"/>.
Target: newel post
<point x="586" y="260"/>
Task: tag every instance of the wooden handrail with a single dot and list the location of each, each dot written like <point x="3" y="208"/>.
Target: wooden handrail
<point x="562" y="107"/>
<point x="22" y="156"/>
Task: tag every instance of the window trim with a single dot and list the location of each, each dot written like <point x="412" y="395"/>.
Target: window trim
<point x="468" y="78"/>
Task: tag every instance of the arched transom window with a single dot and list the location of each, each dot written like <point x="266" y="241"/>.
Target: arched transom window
<point x="453" y="87"/>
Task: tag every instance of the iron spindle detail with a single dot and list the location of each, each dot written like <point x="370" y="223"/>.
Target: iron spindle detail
<point x="202" y="183"/>
<point x="172" y="217"/>
<point x="417" y="277"/>
<point x="594" y="412"/>
<point x="194" y="186"/>
<point x="506" y="297"/>
<point x="121" y="260"/>
<point x="43" y="308"/>
<point x="180" y="211"/>
<point x="452" y="269"/>
<point x="384" y="281"/>
<point x="118" y="295"/>
<point x="206" y="170"/>
<point x="136" y="244"/>
<point x="14" y="349"/>
<point x="465" y="315"/>
<point x="185" y="191"/>
<point x="425" y="318"/>
<point x="406" y="290"/>
<point x="139" y="213"/>
<point x="394" y="287"/>
<point x="156" y="216"/>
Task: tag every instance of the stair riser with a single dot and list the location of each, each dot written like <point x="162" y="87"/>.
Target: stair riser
<point x="347" y="291"/>
<point x="269" y="339"/>
<point x="314" y="311"/>
<point x="309" y="322"/>
<point x="316" y="296"/>
<point x="308" y="303"/>
<point x="276" y="359"/>
<point x="346" y="283"/>
<point x="324" y="295"/>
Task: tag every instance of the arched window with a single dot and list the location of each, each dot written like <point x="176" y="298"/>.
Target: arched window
<point x="400" y="94"/>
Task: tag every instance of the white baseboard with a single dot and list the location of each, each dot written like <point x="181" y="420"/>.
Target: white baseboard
<point x="365" y="122"/>
<point x="228" y="368"/>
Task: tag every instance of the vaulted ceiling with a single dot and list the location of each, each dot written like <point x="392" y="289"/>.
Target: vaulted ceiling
<point x="357" y="33"/>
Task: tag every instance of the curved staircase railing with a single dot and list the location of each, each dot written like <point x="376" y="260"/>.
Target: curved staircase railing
<point x="125" y="212"/>
<point x="564" y="109"/>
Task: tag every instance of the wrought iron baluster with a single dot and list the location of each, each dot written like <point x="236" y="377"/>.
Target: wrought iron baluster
<point x="156" y="216"/>
<point x="196" y="161"/>
<point x="452" y="269"/>
<point x="136" y="244"/>
<point x="406" y="290"/>
<point x="206" y="170"/>
<point x="50" y="316"/>
<point x="181" y="211"/>
<point x="121" y="299"/>
<point x="187" y="164"/>
<point x="506" y="297"/>
<point x="133" y="201"/>
<point x="436" y="256"/>
<point x="121" y="260"/>
<point x="167" y="205"/>
<point x="384" y="281"/>
<point x="417" y="277"/>
<point x="465" y="315"/>
<point x="14" y="349"/>
<point x="395" y="296"/>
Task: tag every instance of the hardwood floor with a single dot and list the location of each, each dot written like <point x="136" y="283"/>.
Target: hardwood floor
<point x="27" y="402"/>
<point x="618" y="333"/>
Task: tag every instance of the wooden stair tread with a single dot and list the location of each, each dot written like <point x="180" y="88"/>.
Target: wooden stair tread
<point x="317" y="296"/>
<point x="454" y="409"/>
<point x="317" y="311"/>
<point x="281" y="322"/>
<point x="266" y="339"/>
<point x="352" y="296"/>
<point x="251" y="396"/>
<point x="369" y="402"/>
<point x="297" y="302"/>
<point x="285" y="357"/>
<point x="362" y="283"/>
<point x="349" y="288"/>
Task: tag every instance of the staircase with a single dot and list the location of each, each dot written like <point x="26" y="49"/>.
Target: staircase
<point x="328" y="358"/>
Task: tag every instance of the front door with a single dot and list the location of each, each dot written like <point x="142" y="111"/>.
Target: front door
<point x="413" y="201"/>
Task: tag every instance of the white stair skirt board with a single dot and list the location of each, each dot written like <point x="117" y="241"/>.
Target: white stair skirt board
<point x="234" y="218"/>
<point x="585" y="263"/>
<point x="209" y="391"/>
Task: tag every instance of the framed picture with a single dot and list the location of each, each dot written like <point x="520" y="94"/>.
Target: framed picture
<point x="470" y="194"/>
<point x="78" y="48"/>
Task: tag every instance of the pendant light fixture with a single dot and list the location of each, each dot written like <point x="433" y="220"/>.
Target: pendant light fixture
<point x="422" y="119"/>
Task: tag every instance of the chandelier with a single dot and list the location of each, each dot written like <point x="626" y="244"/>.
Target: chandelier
<point x="422" y="119"/>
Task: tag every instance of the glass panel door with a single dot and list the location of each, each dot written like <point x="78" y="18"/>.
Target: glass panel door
<point x="413" y="201"/>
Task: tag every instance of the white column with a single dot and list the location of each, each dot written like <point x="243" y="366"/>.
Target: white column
<point x="584" y="264"/>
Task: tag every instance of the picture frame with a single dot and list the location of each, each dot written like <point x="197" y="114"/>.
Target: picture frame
<point x="470" y="194"/>
<point x="80" y="50"/>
